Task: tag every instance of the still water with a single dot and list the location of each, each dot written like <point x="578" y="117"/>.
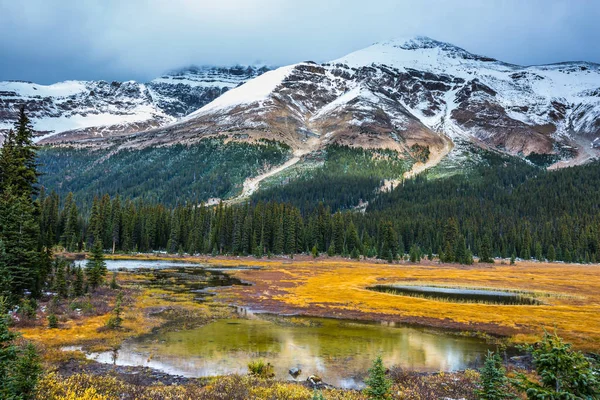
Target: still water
<point x="339" y="351"/>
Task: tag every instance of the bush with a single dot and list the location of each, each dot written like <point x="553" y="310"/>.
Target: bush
<point x="116" y="321"/>
<point x="52" y="321"/>
<point x="261" y="369"/>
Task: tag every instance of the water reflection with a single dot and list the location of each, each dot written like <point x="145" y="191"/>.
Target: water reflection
<point x="338" y="351"/>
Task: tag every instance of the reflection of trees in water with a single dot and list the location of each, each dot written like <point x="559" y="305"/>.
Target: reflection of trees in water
<point x="336" y="350"/>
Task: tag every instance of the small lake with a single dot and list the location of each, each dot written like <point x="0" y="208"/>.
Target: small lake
<point x="339" y="351"/>
<point x="458" y="294"/>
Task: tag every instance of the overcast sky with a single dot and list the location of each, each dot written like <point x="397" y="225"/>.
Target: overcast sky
<point x="52" y="40"/>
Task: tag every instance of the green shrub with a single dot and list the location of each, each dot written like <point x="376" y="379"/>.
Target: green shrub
<point x="52" y="321"/>
<point x="261" y="369"/>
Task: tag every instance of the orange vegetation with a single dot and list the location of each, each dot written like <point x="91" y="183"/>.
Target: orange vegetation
<point x="338" y="288"/>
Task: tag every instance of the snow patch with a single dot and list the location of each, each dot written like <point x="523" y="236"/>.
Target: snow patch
<point x="255" y="90"/>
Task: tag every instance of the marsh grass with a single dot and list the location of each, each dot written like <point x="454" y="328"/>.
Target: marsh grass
<point x="513" y="298"/>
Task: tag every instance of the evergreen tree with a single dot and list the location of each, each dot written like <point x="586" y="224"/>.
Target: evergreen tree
<point x="551" y="253"/>
<point x="460" y="251"/>
<point x="389" y="246"/>
<point x="60" y="281"/>
<point x="563" y="373"/>
<point x="78" y="283"/>
<point x="494" y="383"/>
<point x="378" y="385"/>
<point x="485" y="251"/>
<point x="19" y="232"/>
<point x="331" y="250"/>
<point x="95" y="267"/>
<point x="415" y="254"/>
<point x="451" y="239"/>
<point x="20" y="368"/>
<point x="18" y="166"/>
<point x="538" y="252"/>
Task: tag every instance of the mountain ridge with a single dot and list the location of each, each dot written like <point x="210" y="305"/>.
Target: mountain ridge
<point x="114" y="108"/>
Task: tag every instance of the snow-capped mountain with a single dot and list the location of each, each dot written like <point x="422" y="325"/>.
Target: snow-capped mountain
<point x="98" y="108"/>
<point x="403" y="94"/>
<point x="410" y="91"/>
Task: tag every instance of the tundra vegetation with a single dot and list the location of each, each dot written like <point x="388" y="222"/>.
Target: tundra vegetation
<point x="500" y="209"/>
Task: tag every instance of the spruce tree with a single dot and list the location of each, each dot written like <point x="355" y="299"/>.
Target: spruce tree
<point x="485" y="251"/>
<point x="563" y="372"/>
<point x="19" y="367"/>
<point x="551" y="253"/>
<point x="95" y="267"/>
<point x="378" y="385"/>
<point x="494" y="383"/>
<point x="78" y="283"/>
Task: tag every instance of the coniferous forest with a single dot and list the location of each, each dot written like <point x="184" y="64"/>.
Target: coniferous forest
<point x="519" y="210"/>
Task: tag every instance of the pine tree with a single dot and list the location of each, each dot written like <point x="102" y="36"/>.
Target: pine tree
<point x="538" y="252"/>
<point x="18" y="166"/>
<point x="551" y="253"/>
<point x="389" y="247"/>
<point x="378" y="385"/>
<point x="20" y="368"/>
<point x="331" y="250"/>
<point x="494" y="383"/>
<point x="95" y="267"/>
<point x="563" y="373"/>
<point x="78" y="283"/>
<point x="460" y="251"/>
<point x="352" y="239"/>
<point x="485" y="251"/>
<point x="451" y="239"/>
<point x="116" y="223"/>
<point x="19" y="232"/>
<point x="414" y="254"/>
<point x="60" y="281"/>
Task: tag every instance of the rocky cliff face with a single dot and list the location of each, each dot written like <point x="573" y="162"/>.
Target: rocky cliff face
<point x="408" y="92"/>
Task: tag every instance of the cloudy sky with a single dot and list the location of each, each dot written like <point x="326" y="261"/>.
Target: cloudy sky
<point x="48" y="41"/>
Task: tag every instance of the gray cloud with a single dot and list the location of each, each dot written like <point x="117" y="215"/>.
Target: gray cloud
<point x="47" y="41"/>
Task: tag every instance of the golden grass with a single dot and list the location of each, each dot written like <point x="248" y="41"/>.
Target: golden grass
<point x="137" y="319"/>
<point x="337" y="288"/>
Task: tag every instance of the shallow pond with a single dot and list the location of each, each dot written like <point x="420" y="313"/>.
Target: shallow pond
<point x="339" y="351"/>
<point x="459" y="294"/>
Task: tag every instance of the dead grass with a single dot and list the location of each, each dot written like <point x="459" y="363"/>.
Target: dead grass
<point x="333" y="287"/>
<point x="145" y="309"/>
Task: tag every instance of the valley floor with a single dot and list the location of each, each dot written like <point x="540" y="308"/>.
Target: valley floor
<point x="331" y="287"/>
<point x="337" y="287"/>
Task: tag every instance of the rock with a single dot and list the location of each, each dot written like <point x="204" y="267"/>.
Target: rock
<point x="314" y="380"/>
<point x="294" y="372"/>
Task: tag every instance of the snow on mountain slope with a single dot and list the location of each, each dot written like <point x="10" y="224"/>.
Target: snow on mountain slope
<point x="79" y="105"/>
<point x="255" y="90"/>
<point x="394" y="94"/>
<point x="556" y="100"/>
<point x="187" y="90"/>
<point x="74" y="110"/>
